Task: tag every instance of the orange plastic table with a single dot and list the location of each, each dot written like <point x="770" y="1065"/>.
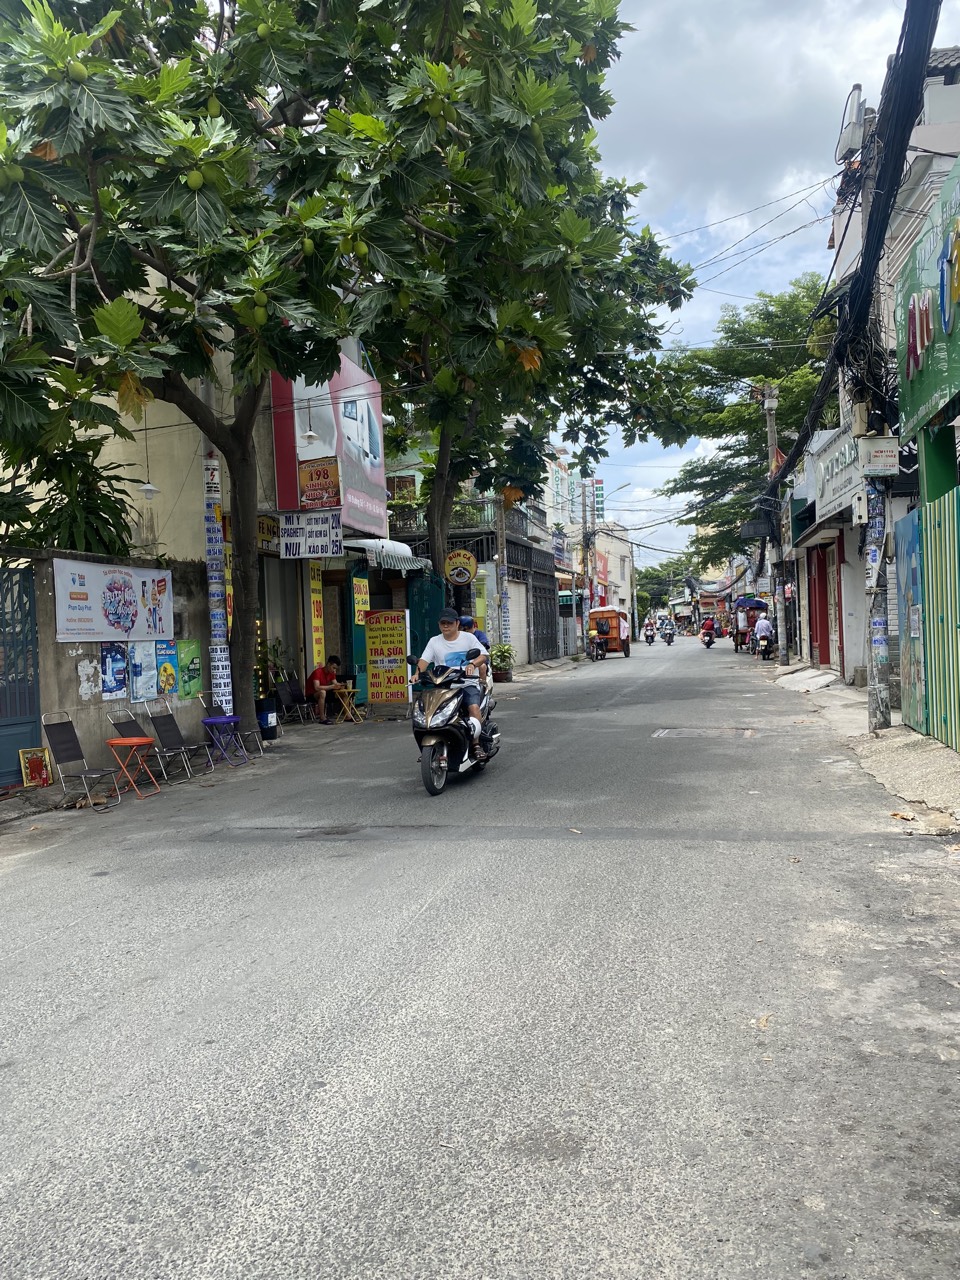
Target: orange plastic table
<point x="127" y="751"/>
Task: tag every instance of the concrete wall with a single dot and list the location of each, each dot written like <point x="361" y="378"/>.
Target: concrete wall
<point x="70" y="672"/>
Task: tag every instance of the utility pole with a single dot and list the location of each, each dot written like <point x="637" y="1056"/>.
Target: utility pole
<point x="771" y="397"/>
<point x="877" y="489"/>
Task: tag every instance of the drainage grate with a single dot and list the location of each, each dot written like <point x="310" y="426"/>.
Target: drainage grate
<point x="711" y="732"/>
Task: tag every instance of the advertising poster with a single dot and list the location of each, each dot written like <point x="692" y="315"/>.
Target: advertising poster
<point x="221" y="677"/>
<point x="361" y="600"/>
<point x="168" y="668"/>
<point x="319" y="484"/>
<point x="143" y="670"/>
<point x="228" y="585"/>
<point x="113" y="669"/>
<point x="346" y="415"/>
<point x="460" y="567"/>
<point x="316" y="614"/>
<point x="111" y="602"/>
<point x="388" y="642"/>
<point x="188" y="663"/>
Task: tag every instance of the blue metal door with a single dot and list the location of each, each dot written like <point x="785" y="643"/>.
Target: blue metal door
<point x="19" y="685"/>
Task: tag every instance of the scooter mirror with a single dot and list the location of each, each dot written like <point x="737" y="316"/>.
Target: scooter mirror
<point x="473" y="653"/>
<point x="411" y="660"/>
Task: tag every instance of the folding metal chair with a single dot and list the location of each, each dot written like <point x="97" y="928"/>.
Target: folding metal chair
<point x="247" y="736"/>
<point x="289" y="709"/>
<point x="66" y="750"/>
<point x="299" y="698"/>
<point x="171" y="744"/>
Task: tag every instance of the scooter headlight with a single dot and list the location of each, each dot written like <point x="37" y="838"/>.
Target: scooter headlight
<point x="419" y="716"/>
<point x="445" y="714"/>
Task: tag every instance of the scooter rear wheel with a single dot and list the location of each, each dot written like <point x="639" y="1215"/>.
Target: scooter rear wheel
<point x="433" y="770"/>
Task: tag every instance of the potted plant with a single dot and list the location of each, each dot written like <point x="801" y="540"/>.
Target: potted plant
<point x="502" y="658"/>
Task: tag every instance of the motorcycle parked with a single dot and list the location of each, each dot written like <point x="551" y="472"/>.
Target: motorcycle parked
<point x="765" y="648"/>
<point x="442" y="730"/>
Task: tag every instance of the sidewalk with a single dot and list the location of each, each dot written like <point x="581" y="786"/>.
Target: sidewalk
<point x="918" y="770"/>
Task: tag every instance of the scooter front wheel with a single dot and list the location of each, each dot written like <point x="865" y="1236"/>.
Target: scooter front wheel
<point x="433" y="768"/>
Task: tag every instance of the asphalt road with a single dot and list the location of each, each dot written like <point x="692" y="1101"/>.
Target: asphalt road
<point x="665" y="992"/>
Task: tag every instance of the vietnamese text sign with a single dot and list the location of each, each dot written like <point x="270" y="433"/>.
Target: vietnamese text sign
<point x="460" y="567"/>
<point x="316" y="614"/>
<point x="319" y="484"/>
<point x="388" y="642"/>
<point x="310" y="535"/>
<point x="168" y="668"/>
<point x="110" y="602"/>
<point x="879" y="457"/>
<point x="838" y="474"/>
<point x="361" y="601"/>
<point x="188" y="664"/>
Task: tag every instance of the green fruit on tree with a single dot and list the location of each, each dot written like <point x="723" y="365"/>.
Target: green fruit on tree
<point x="307" y="245"/>
<point x="210" y="171"/>
<point x="260" y="299"/>
<point x="194" y="179"/>
<point x="449" y="113"/>
<point x="260" y="316"/>
<point x="15" y="173"/>
<point x="263" y="31"/>
<point x="214" y="109"/>
<point x="537" y="132"/>
<point x="346" y="245"/>
<point x="434" y="107"/>
<point x="360" y="249"/>
<point x="77" y="72"/>
<point x="501" y="345"/>
<point x="403" y="300"/>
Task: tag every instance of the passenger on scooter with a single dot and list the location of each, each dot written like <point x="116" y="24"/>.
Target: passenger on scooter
<point x="449" y="649"/>
<point x="763" y="628"/>
<point x="708" y="628"/>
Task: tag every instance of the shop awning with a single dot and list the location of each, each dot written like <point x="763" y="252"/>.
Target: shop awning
<point x="384" y="553"/>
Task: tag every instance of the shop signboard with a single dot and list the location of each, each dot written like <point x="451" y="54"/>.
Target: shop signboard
<point x="110" y="602"/>
<point x="188" y="663"/>
<point x="836" y="466"/>
<point x="460" y="567"/>
<point x="388" y="643"/>
<point x="344" y="420"/>
<point x="361" y="600"/>
<point x="319" y="483"/>
<point x="315" y="583"/>
<point x="310" y="535"/>
<point x="927" y="299"/>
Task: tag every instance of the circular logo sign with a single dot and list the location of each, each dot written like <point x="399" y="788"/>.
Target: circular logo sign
<point x="460" y="567"/>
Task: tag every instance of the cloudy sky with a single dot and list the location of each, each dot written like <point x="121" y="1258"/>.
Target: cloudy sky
<point x="729" y="113"/>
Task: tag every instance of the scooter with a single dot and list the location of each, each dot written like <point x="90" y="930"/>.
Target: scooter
<point x="706" y="639"/>
<point x="649" y="636"/>
<point x="668" y="638"/>
<point x="764" y="648"/>
<point x="441" y="728"/>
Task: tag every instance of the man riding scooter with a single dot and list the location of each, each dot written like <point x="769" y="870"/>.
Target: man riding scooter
<point x="708" y="632"/>
<point x="649" y="631"/>
<point x="449" y="649"/>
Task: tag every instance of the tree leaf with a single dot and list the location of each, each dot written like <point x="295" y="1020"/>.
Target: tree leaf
<point x="120" y="322"/>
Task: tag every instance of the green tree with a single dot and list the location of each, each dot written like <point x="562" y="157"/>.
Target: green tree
<point x="769" y="340"/>
<point x="194" y="197"/>
<point x="661" y="581"/>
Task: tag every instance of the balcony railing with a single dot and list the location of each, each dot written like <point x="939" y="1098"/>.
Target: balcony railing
<point x="467" y="514"/>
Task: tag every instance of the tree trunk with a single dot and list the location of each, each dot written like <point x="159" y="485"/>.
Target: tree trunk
<point x="443" y="491"/>
<point x="242" y="466"/>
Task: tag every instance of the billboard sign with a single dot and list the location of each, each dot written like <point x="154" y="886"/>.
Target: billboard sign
<point x="343" y="419"/>
<point x="927" y="300"/>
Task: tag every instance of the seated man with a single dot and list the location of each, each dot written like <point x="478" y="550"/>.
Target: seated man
<point x="449" y="649"/>
<point x="319" y="681"/>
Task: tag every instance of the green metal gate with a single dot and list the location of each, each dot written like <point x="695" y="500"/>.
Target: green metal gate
<point x="941" y="599"/>
<point x="19" y="682"/>
<point x="426" y="596"/>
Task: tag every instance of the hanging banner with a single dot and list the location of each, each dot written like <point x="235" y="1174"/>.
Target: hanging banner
<point x="361" y="601"/>
<point x="319" y="482"/>
<point x="388" y="643"/>
<point x="480" y="608"/>
<point x="188" y="664"/>
<point x="110" y="602"/>
<point x="315" y="579"/>
<point x="310" y="535"/>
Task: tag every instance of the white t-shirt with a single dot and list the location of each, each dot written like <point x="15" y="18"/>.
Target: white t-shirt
<point x="452" y="653"/>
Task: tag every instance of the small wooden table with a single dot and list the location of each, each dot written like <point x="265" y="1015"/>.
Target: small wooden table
<point x="348" y="712"/>
<point x="225" y="739"/>
<point x="129" y="750"/>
